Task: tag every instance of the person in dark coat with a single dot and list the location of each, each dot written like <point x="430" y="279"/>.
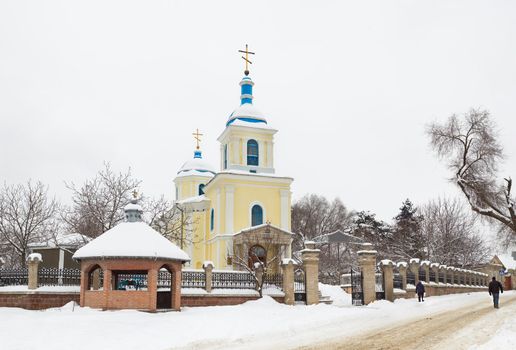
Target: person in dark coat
<point x="495" y="288"/>
<point x="420" y="290"/>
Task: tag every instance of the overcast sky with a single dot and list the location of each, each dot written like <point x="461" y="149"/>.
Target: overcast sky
<point x="350" y="85"/>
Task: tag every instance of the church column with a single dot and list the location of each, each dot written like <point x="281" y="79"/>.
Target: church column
<point x="284" y="195"/>
<point x="230" y="191"/>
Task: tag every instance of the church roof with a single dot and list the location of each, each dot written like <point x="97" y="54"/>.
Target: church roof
<point x="196" y="166"/>
<point x="131" y="240"/>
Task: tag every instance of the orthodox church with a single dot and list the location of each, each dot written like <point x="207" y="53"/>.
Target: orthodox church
<point x="241" y="213"/>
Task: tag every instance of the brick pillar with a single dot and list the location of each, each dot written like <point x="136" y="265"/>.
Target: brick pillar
<point x="388" y="279"/>
<point x="310" y="258"/>
<point x="176" y="287"/>
<point x="107" y="287"/>
<point x="152" y="288"/>
<point x="33" y="261"/>
<point x="367" y="263"/>
<point x="402" y="268"/>
<point x="414" y="267"/>
<point x="287" y="267"/>
<point x="208" y="273"/>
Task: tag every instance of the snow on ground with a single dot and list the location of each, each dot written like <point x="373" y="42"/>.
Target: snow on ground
<point x="25" y="288"/>
<point x="339" y="297"/>
<point x="253" y="325"/>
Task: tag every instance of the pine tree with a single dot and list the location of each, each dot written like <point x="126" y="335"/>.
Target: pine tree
<point x="407" y="240"/>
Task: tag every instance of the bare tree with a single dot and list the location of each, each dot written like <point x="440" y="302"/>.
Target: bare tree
<point x="27" y="215"/>
<point x="251" y="262"/>
<point x="98" y="203"/>
<point x="314" y="215"/>
<point x="470" y="146"/>
<point x="175" y="222"/>
<point x="451" y="234"/>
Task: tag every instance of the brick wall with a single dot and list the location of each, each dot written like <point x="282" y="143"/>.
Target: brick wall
<point x="213" y="300"/>
<point x="45" y="300"/>
<point x="36" y="300"/>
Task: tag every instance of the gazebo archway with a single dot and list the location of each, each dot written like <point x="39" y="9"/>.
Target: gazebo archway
<point x="164" y="292"/>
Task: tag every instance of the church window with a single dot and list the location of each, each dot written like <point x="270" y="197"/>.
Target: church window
<point x="201" y="189"/>
<point x="212" y="219"/>
<point x="225" y="156"/>
<point x="252" y="152"/>
<point x="256" y="215"/>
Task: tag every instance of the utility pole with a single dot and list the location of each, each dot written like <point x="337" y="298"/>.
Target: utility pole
<point x="182" y="223"/>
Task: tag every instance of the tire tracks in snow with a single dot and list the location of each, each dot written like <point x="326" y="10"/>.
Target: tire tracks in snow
<point x="437" y="331"/>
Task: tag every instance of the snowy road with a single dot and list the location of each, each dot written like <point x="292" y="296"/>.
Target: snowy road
<point x="466" y="327"/>
<point x="266" y="324"/>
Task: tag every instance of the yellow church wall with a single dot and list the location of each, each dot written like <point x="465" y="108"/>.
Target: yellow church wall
<point x="188" y="186"/>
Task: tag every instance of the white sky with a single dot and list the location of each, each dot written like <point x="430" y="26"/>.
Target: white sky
<point x="350" y="86"/>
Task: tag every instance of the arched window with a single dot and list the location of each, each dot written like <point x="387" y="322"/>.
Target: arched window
<point x="256" y="215"/>
<point x="252" y="152"/>
<point x="201" y="189"/>
<point x="225" y="156"/>
<point x="212" y="219"/>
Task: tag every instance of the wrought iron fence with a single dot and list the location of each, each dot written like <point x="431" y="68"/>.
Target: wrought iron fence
<point x="299" y="285"/>
<point x="193" y="279"/>
<point x="51" y="276"/>
<point x="432" y="276"/>
<point x="441" y="277"/>
<point x="233" y="280"/>
<point x="14" y="277"/>
<point x="411" y="278"/>
<point x="397" y="281"/>
<point x="273" y="279"/>
<point x="422" y="274"/>
<point x="357" y="294"/>
<point x="449" y="279"/>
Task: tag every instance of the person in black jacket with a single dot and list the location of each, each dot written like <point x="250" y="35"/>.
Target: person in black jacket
<point x="420" y="290"/>
<point x="495" y="288"/>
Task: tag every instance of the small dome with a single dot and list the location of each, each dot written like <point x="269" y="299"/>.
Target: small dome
<point x="247" y="112"/>
<point x="197" y="166"/>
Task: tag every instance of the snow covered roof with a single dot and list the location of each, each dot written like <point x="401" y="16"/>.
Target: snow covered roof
<point x="196" y="166"/>
<point x="240" y="122"/>
<point x="62" y="240"/>
<point x="195" y="199"/>
<point x="131" y="240"/>
<point x="507" y="260"/>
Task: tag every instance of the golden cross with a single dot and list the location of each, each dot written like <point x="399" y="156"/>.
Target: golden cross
<point x="246" y="58"/>
<point x="197" y="136"/>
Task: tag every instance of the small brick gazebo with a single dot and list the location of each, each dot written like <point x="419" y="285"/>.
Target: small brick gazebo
<point x="120" y="268"/>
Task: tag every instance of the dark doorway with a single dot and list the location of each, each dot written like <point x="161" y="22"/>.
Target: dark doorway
<point x="164" y="290"/>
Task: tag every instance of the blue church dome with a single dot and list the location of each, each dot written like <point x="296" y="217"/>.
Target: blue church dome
<point x="197" y="166"/>
<point x="246" y="111"/>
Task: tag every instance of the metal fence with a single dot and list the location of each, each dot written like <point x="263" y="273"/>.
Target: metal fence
<point x="422" y="274"/>
<point x="273" y="279"/>
<point x="397" y="281"/>
<point x="59" y="277"/>
<point x="193" y="279"/>
<point x="432" y="276"/>
<point x="233" y="280"/>
<point x="411" y="278"/>
<point x="14" y="277"/>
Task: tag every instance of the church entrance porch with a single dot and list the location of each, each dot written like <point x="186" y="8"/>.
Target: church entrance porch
<point x="265" y="243"/>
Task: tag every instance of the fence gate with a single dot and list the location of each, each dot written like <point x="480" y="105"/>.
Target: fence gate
<point x="299" y="285"/>
<point x="357" y="293"/>
<point x="379" y="284"/>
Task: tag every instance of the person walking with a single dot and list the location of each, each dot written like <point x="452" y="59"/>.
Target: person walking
<point x="495" y="288"/>
<point x="420" y="290"/>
